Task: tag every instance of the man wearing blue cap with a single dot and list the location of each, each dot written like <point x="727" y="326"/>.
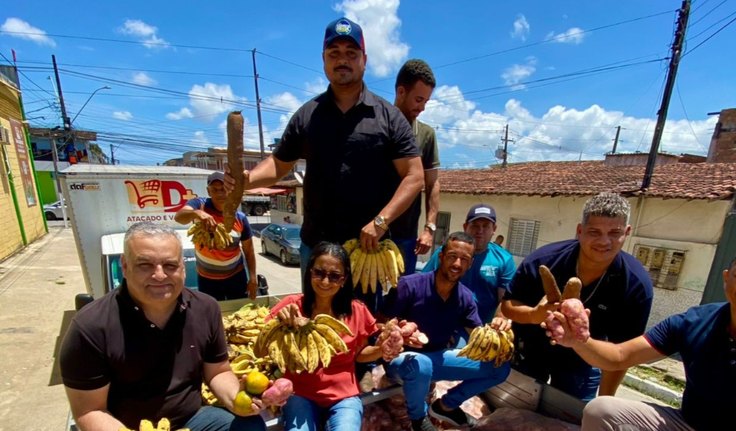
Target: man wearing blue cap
<point x="493" y="267"/>
<point x="363" y="165"/>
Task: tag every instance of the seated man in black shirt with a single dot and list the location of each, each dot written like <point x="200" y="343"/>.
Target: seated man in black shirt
<point x="143" y="350"/>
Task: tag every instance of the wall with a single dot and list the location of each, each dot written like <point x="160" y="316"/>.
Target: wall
<point x="31" y="216"/>
<point x="692" y="226"/>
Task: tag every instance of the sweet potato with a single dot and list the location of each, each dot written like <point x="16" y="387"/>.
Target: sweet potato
<point x="550" y="285"/>
<point x="407" y="328"/>
<point x="235" y="163"/>
<point x="572" y="289"/>
<point x="278" y="392"/>
<point x="577" y="318"/>
<point x="554" y="328"/>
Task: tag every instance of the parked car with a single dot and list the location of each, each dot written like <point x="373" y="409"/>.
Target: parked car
<point x="282" y="240"/>
<point x="53" y="211"/>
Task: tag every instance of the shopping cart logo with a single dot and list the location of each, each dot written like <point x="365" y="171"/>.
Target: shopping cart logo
<point x="170" y="196"/>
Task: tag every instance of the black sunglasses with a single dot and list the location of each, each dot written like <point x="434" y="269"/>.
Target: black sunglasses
<point x="332" y="277"/>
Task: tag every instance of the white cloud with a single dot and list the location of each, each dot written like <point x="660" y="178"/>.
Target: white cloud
<point x="380" y="23"/>
<point x="142" y="78"/>
<point x="517" y="73"/>
<point x="122" y="115"/>
<point x="145" y="33"/>
<point x="200" y="138"/>
<point x="316" y="86"/>
<point x="469" y="137"/>
<point x="22" y="30"/>
<point x="207" y="101"/>
<point x="573" y="35"/>
<point x="521" y="28"/>
<point x="183" y="113"/>
<point x="286" y="101"/>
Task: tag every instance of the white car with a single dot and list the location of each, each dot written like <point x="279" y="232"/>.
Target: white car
<point x="53" y="211"/>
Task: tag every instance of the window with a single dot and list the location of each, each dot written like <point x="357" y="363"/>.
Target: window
<point x="523" y="236"/>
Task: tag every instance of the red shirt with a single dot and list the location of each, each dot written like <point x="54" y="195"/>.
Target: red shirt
<point x="326" y="386"/>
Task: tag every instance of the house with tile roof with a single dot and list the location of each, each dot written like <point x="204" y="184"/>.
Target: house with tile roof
<point x="677" y="223"/>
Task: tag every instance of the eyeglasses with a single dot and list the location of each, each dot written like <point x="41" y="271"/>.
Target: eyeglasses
<point x="332" y="277"/>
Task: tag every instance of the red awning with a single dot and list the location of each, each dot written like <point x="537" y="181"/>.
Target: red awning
<point x="265" y="191"/>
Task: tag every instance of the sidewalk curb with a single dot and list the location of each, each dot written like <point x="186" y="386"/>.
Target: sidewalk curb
<point x="654" y="390"/>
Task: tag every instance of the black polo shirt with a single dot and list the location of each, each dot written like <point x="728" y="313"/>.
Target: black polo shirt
<point x="153" y="372"/>
<point x="350" y="173"/>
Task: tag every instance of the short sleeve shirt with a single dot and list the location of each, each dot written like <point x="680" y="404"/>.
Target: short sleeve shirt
<point x="326" y="386"/>
<point x="350" y="173"/>
<point x="407" y="224"/>
<point x="152" y="372"/>
<point x="217" y="264"/>
<point x="491" y="270"/>
<point x="619" y="304"/>
<point x="700" y="335"/>
<point x="417" y="300"/>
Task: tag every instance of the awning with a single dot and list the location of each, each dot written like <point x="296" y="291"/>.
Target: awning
<point x="265" y="191"/>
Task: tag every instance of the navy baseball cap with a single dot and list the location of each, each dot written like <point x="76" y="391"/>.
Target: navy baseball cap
<point x="481" y="211"/>
<point x="216" y="176"/>
<point x="343" y="27"/>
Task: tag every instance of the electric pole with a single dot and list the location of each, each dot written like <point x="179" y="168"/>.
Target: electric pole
<point x="52" y="140"/>
<point x="615" y="140"/>
<point x="258" y="105"/>
<point x="112" y="155"/>
<point x="505" y="146"/>
<point x="672" y="72"/>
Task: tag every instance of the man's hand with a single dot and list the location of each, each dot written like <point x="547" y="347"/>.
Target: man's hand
<point x="564" y="334"/>
<point x="291" y="316"/>
<point x="501" y="323"/>
<point x="252" y="288"/>
<point x="229" y="183"/>
<point x="539" y="313"/>
<point x="207" y="220"/>
<point x="369" y="237"/>
<point x="424" y="242"/>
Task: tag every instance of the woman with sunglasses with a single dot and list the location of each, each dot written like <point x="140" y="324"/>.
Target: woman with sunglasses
<point x="329" y="396"/>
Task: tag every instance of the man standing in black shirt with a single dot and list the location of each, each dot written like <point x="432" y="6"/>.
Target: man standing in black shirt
<point x="363" y="166"/>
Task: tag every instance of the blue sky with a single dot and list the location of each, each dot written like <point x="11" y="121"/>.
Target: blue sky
<point x="176" y="70"/>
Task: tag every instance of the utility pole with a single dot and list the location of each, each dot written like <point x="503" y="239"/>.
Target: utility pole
<point x="112" y="155"/>
<point x="615" y="140"/>
<point x="672" y="72"/>
<point x="258" y="106"/>
<point x="506" y="141"/>
<point x="52" y="140"/>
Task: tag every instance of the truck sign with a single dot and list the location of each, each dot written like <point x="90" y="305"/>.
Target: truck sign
<point x="107" y="199"/>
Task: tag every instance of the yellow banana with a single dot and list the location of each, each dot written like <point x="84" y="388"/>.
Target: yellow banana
<point x="323" y="348"/>
<point x="277" y="354"/>
<point x="146" y="425"/>
<point x="350" y="245"/>
<point x="163" y="425"/>
<point x="332" y="338"/>
<point x="373" y="276"/>
<point x="337" y="324"/>
<point x="381" y="267"/>
<point x="399" y="259"/>
<point x="264" y="337"/>
<point x="312" y="353"/>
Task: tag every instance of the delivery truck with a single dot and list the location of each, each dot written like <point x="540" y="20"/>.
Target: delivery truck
<point x="104" y="200"/>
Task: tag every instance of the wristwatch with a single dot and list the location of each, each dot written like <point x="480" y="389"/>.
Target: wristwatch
<point x="431" y="227"/>
<point x="380" y="221"/>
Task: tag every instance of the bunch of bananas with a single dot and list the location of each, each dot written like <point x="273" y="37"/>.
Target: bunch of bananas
<point x="146" y="425"/>
<point x="304" y="347"/>
<point x="218" y="239"/>
<point x="379" y="268"/>
<point x="487" y="344"/>
<point x="244" y="325"/>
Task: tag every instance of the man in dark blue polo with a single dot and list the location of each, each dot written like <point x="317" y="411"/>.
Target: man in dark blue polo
<point x="440" y="305"/>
